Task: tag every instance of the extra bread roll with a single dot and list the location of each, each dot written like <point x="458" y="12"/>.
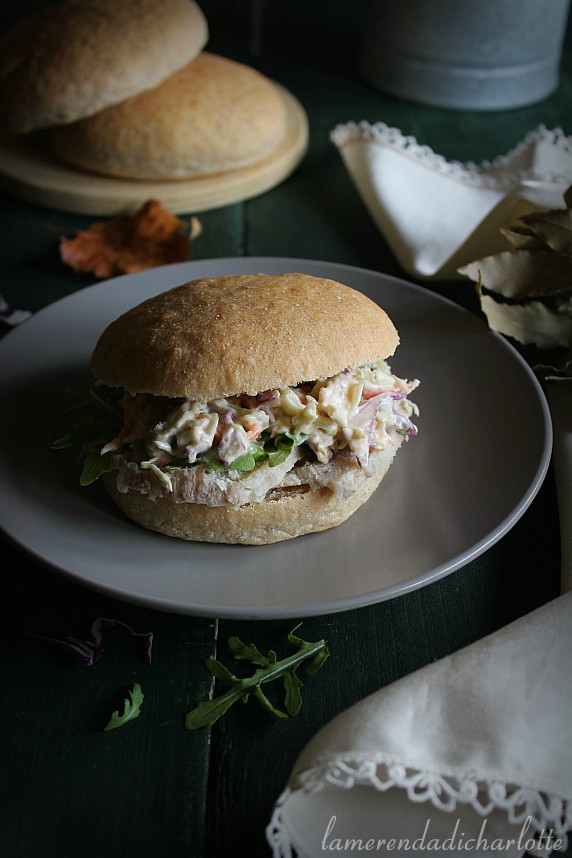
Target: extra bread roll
<point x="289" y="366"/>
<point x="78" y="57"/>
<point x="211" y="116"/>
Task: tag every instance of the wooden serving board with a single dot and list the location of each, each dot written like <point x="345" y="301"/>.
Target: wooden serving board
<point x="29" y="170"/>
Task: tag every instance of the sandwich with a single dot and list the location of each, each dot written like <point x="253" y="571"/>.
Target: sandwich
<point x="250" y="408"/>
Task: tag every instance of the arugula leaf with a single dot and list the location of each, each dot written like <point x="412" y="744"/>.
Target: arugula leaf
<point x="132" y="709"/>
<point x="107" y="399"/>
<point x="99" y="419"/>
<point x="279" y="448"/>
<point x="96" y="398"/>
<point x="273" y="450"/>
<point x="246" y="462"/>
<point x="94" y="466"/>
<point x="80" y="434"/>
<point x="269" y="669"/>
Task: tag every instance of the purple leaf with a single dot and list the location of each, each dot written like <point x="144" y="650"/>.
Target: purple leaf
<point x="89" y="651"/>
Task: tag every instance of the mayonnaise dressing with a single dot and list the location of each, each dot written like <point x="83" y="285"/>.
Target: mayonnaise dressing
<point x="353" y="409"/>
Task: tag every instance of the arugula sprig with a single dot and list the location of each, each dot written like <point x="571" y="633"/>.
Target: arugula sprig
<point x="131" y="709"/>
<point x="98" y="418"/>
<point x="97" y="406"/>
<point x="269" y="668"/>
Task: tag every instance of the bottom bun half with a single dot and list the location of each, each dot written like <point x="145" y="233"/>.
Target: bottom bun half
<point x="285" y="514"/>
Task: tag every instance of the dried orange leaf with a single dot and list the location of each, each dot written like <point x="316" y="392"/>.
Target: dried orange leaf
<point x="122" y="245"/>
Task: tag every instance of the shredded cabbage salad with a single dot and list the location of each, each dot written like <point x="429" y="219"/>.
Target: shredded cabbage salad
<point x="354" y="409"/>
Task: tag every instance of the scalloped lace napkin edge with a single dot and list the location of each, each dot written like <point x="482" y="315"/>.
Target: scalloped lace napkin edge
<point x="486" y="174"/>
<point x="445" y="790"/>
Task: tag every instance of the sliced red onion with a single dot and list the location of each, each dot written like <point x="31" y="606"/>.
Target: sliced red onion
<point x="90" y="651"/>
<point x="262" y="403"/>
<point x="364" y="420"/>
<point x="402" y="422"/>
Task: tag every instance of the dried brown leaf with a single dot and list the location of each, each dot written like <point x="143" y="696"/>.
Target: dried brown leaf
<point x="522" y="238"/>
<point x="528" y="323"/>
<point x="526" y="292"/>
<point x="557" y="369"/>
<point x="560" y="217"/>
<point x="554" y="228"/>
<point x="523" y="274"/>
<point x="124" y="244"/>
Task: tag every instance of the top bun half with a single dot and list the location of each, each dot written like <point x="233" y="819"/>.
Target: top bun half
<point x="78" y="57"/>
<point x="242" y="334"/>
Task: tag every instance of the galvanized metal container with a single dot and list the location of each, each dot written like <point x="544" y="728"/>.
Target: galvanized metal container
<point x="462" y="54"/>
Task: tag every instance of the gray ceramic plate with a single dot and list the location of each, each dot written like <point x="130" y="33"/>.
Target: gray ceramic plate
<point x="482" y="452"/>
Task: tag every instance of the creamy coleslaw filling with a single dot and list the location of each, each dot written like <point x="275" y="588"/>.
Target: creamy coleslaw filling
<point x="355" y="409"/>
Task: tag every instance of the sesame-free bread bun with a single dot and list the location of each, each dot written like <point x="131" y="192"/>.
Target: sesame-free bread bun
<point x="211" y="116"/>
<point x="286" y="514"/>
<point x="223" y="336"/>
<point x="78" y="57"/>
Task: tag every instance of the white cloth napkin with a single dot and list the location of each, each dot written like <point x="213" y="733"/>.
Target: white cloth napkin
<point x="438" y="215"/>
<point x="469" y="756"/>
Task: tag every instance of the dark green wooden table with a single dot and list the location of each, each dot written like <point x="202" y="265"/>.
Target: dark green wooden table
<point x="152" y="788"/>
